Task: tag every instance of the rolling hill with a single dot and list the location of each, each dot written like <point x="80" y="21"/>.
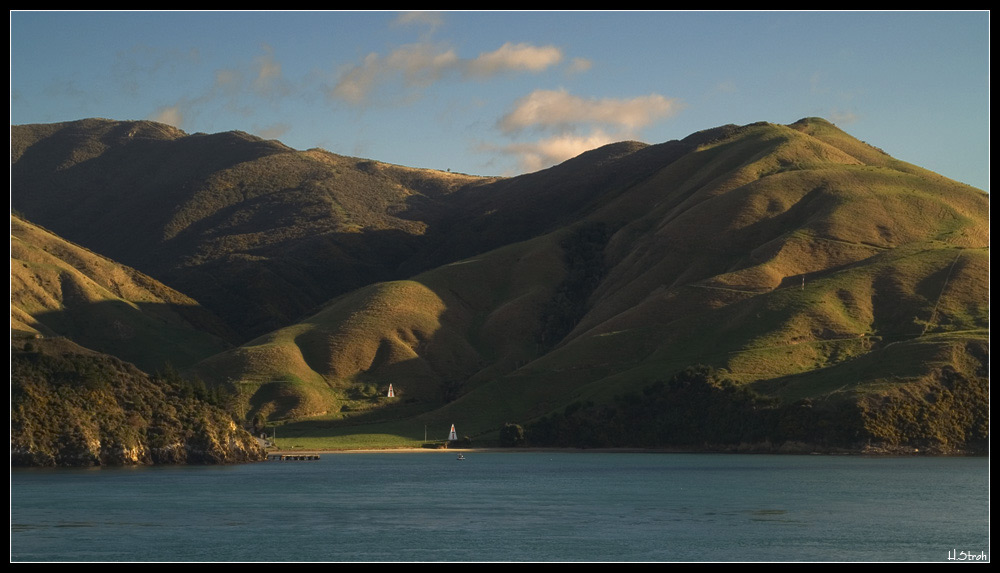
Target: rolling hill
<point x="88" y="405"/>
<point x="61" y="289"/>
<point x="832" y="285"/>
<point x="256" y="232"/>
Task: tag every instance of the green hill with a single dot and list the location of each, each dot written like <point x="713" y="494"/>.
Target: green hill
<point x="801" y="262"/>
<point x="822" y="292"/>
<point x="258" y="233"/>
<point x="61" y="289"/>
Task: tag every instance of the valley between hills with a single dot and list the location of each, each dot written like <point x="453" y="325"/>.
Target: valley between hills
<point x="755" y="288"/>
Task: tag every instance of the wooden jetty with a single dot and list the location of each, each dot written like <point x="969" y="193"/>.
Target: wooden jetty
<point x="292" y="457"/>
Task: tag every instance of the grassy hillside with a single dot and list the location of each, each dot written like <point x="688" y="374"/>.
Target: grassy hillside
<point x="435" y="336"/>
<point x="262" y="234"/>
<point x="790" y="274"/>
<point x="61" y="289"/>
<point x="257" y="232"/>
<point x="795" y="259"/>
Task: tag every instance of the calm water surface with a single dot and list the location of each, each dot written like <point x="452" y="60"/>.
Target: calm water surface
<point x="510" y="506"/>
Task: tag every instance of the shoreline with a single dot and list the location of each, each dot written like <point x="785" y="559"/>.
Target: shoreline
<point x="874" y="452"/>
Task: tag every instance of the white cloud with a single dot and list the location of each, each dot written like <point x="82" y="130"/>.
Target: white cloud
<point x="568" y="124"/>
<point x="265" y="73"/>
<point x="423" y="63"/>
<point x="514" y="57"/>
<point x="571" y="124"/>
<point x="417" y="64"/>
<point x="273" y="131"/>
<point x="558" y="110"/>
<point x="433" y="20"/>
<point x="268" y="79"/>
<point x="170" y="115"/>
<point x="357" y="82"/>
<point x="238" y="89"/>
<point x="537" y="155"/>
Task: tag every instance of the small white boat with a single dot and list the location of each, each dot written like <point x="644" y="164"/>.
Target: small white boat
<point x="460" y="457"/>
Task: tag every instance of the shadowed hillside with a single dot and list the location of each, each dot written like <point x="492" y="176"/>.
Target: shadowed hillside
<point x="261" y="234"/>
<point x="772" y="253"/>
<point x="801" y="278"/>
<point x="257" y="232"/>
<point x="62" y="289"/>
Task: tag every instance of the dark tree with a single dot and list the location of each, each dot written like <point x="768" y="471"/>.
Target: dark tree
<point x="511" y="435"/>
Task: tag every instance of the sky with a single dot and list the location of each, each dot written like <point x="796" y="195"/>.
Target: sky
<point x="504" y="93"/>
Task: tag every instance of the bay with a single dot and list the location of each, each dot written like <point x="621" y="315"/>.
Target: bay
<point x="509" y="507"/>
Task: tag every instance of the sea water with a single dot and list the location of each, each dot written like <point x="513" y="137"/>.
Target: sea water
<point x="510" y="506"/>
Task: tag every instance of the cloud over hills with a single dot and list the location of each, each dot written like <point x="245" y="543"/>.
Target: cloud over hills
<point x="571" y="124"/>
<point x="423" y="63"/>
<point x="498" y="93"/>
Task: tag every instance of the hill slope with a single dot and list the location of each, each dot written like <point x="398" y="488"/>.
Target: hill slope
<point x="803" y="263"/>
<point x="62" y="289"/>
<point x="257" y="232"/>
<point x="830" y="283"/>
<point x="262" y="235"/>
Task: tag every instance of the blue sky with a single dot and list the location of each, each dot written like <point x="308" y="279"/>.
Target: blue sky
<point x="501" y="93"/>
